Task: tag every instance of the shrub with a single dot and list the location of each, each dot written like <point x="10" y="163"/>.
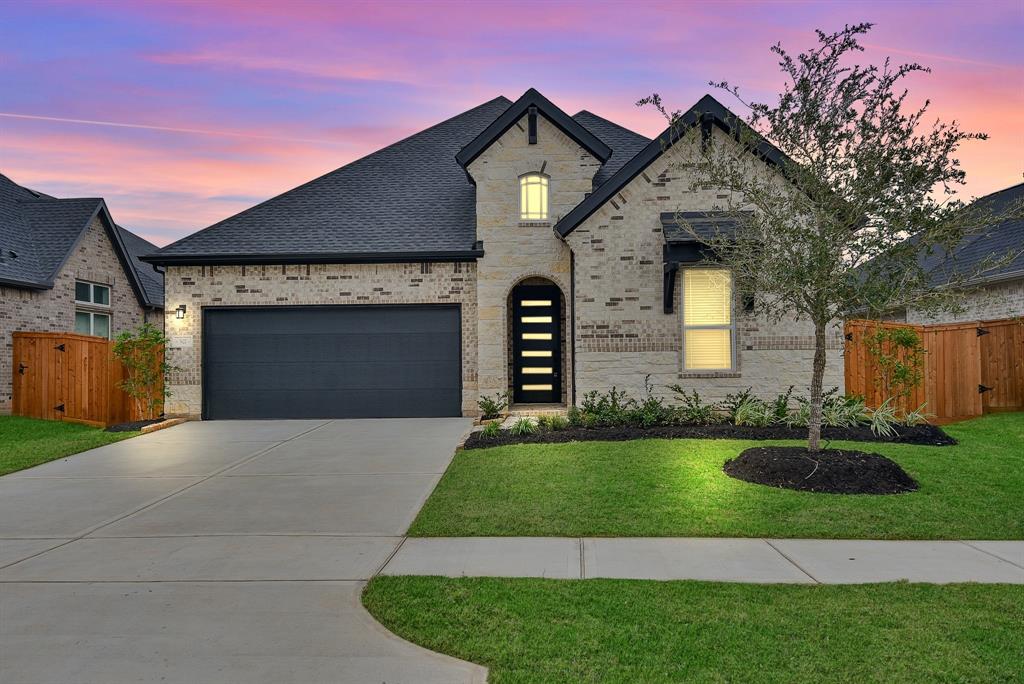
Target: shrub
<point x="575" y="417"/>
<point x="780" y="406"/>
<point x="609" y="409"/>
<point x="843" y="412"/>
<point x="918" y="416"/>
<point x="557" y="422"/>
<point x="754" y="412"/>
<point x="141" y="351"/>
<point x="491" y="407"/>
<point x="883" y="419"/>
<point x="491" y="430"/>
<point x="691" y="409"/>
<point x="733" y="402"/>
<point x="523" y="426"/>
<point x="652" y="411"/>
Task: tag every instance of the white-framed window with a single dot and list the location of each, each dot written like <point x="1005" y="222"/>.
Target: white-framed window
<point x="92" y="293"/>
<point x="533" y="197"/>
<point x="92" y="323"/>
<point x="709" y="332"/>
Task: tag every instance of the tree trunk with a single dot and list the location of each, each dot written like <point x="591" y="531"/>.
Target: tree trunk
<point x="817" y="375"/>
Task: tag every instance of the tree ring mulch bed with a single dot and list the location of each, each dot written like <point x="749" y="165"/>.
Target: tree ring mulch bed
<point x="929" y="435"/>
<point x="834" y="471"/>
<point x="133" y="426"/>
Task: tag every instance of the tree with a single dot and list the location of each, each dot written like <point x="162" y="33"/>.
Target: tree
<point x="823" y="231"/>
<point x="141" y="351"/>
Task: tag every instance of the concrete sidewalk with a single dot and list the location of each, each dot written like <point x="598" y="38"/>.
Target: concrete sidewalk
<point x="800" y="561"/>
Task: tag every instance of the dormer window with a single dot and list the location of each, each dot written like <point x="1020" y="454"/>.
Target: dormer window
<point x="533" y="197"/>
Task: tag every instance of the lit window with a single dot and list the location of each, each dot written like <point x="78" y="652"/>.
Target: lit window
<point x="91" y="293"/>
<point x="536" y="336"/>
<point x="535" y="319"/>
<point x="537" y="371"/>
<point x="533" y="197"/>
<point x="531" y="353"/>
<point x="535" y="302"/>
<point x="707" y="319"/>
<point x="91" y="323"/>
<point x="536" y="388"/>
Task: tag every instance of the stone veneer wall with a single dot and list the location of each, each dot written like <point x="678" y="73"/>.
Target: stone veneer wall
<point x="1002" y="300"/>
<point x="515" y="250"/>
<point x="278" y="285"/>
<point x="53" y="310"/>
<point x="622" y="331"/>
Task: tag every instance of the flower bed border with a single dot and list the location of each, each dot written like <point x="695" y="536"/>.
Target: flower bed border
<point x="927" y="435"/>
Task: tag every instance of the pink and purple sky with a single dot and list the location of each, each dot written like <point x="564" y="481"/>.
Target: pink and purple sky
<point x="181" y="114"/>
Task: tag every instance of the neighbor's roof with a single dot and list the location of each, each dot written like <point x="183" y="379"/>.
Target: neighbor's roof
<point x="994" y="242"/>
<point x="409" y="201"/>
<point x="39" y="232"/>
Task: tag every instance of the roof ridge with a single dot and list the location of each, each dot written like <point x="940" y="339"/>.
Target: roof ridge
<point x="333" y="171"/>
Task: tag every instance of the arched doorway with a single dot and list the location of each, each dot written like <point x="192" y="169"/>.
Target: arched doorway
<point x="536" y="350"/>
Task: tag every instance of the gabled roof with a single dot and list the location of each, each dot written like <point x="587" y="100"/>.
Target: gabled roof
<point x="625" y="143"/>
<point x="708" y="110"/>
<point x="408" y="201"/>
<point x="993" y="242"/>
<point x="38" y="233"/>
<point x="519" y="109"/>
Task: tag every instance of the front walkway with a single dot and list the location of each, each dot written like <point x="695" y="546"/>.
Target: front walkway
<point x="218" y="552"/>
<point x="801" y="561"/>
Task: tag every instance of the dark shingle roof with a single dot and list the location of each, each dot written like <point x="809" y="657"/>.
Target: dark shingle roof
<point x="152" y="280"/>
<point x="625" y="143"/>
<point x="42" y="231"/>
<point x="409" y="198"/>
<point x="991" y="244"/>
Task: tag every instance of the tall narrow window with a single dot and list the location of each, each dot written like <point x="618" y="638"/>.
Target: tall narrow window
<point x="707" y="319"/>
<point x="533" y="197"/>
<point x="93" y="318"/>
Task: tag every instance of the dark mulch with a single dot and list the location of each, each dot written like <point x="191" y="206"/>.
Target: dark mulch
<point x="132" y="426"/>
<point x="835" y="471"/>
<point x="919" y="434"/>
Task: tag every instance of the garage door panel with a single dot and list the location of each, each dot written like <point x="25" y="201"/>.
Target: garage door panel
<point x="332" y="404"/>
<point x="325" y="362"/>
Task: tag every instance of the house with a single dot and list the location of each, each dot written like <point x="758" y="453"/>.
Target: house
<point x="996" y="293"/>
<point x="65" y="266"/>
<point x="512" y="248"/>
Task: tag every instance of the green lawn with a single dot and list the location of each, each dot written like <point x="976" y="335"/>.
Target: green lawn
<point x="532" y="630"/>
<point x="677" y="488"/>
<point x="26" y="442"/>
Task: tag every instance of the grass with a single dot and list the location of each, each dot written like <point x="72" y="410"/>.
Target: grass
<point x="677" y="488"/>
<point x="534" y="630"/>
<point x="27" y="442"/>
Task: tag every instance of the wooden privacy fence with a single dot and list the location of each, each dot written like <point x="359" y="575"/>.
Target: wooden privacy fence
<point x="65" y="376"/>
<point x="969" y="368"/>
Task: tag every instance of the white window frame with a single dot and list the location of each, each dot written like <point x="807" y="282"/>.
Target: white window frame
<point x="92" y="294"/>
<point x="92" y="322"/>
<point x="731" y="327"/>
<point x="544" y="182"/>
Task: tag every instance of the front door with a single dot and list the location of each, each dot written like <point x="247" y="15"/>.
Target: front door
<point x="536" y="344"/>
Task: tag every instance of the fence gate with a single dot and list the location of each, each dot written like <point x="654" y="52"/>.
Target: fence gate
<point x="969" y="368"/>
<point x="66" y="376"/>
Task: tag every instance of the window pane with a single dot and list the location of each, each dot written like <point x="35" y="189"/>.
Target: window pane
<point x="707" y="296"/>
<point x="533" y="197"/>
<point x="535" y="319"/>
<point x="537" y="371"/>
<point x="708" y="349"/>
<point x="82" y="292"/>
<point x="101" y="325"/>
<point x="82" y="325"/>
<point x="536" y="336"/>
<point x="536" y="388"/>
<point x="535" y="302"/>
<point x="100" y="294"/>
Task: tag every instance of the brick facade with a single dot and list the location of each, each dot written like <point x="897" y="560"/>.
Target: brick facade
<point x="307" y="284"/>
<point x="53" y="310"/>
<point x="516" y="250"/>
<point x="994" y="302"/>
<point x="622" y="332"/>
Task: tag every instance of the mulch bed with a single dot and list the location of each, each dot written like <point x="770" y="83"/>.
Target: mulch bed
<point x="132" y="426"/>
<point x="835" y="471"/>
<point x="929" y="435"/>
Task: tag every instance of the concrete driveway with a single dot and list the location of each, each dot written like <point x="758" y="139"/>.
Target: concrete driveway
<point x="218" y="552"/>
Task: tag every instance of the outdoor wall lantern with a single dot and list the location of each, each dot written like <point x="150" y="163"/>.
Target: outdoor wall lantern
<point x="179" y="313"/>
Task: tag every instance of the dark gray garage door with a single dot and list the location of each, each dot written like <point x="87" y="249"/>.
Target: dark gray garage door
<point x="331" y="362"/>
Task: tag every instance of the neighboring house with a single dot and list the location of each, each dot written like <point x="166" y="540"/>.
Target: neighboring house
<point x="998" y="292"/>
<point x="65" y="266"/>
<point x="510" y="248"/>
